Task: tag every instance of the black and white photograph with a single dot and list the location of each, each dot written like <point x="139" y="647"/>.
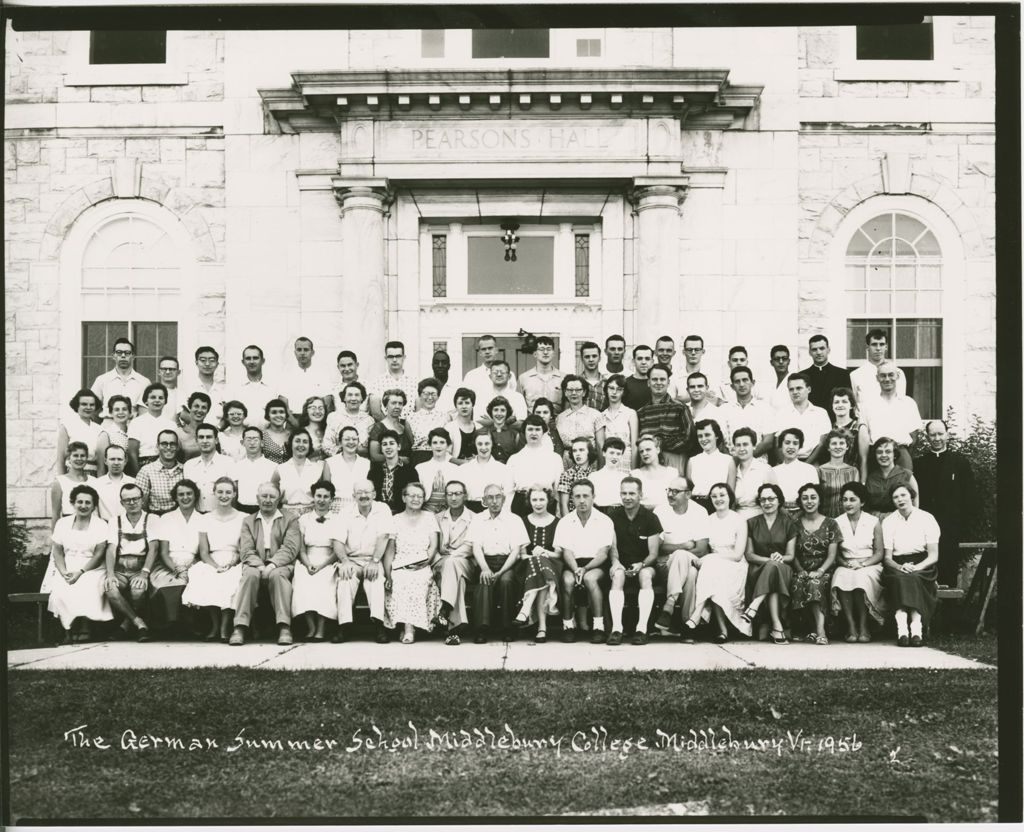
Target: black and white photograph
<point x="535" y="413"/>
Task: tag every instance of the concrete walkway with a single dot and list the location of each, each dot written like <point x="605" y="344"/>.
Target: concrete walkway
<point x="519" y="655"/>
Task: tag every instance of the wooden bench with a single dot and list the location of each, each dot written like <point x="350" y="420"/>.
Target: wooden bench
<point x="40" y="599"/>
<point x="983" y="584"/>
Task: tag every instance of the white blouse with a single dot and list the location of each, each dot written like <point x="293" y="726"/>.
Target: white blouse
<point x="907" y="535"/>
<point x="859" y="544"/>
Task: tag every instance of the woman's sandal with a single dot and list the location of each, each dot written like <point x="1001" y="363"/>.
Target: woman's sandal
<point x="749" y="614"/>
<point x="452" y="640"/>
<point x="820" y="640"/>
<point x="408" y="638"/>
<point x="778" y="639"/>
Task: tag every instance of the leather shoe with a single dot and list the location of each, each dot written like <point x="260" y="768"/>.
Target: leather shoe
<point x="237" y="637"/>
<point x="903" y="641"/>
<point x="569" y="636"/>
<point x="339" y="636"/>
<point x="614" y="639"/>
<point x="639" y="638"/>
<point x="285" y="635"/>
<point x="382" y="635"/>
<point x="597" y="637"/>
<point x="480" y="638"/>
<point x="916" y="641"/>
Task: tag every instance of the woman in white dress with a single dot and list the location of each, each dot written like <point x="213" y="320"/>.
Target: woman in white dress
<point x="60" y="492"/>
<point x="295" y="476"/>
<point x="857" y="582"/>
<point x="751" y="473"/>
<point x="80" y="428"/>
<point x="710" y="465"/>
<point x="413" y="598"/>
<point x="114" y="431"/>
<point x="618" y="420"/>
<point x="791" y="473"/>
<point x="78" y="556"/>
<point x="315" y="582"/>
<point x="722" y="576"/>
<point x="232" y="430"/>
<point x="213" y="581"/>
<point x="654" y="476"/>
<point x="178" y="536"/>
<point x="346" y="469"/>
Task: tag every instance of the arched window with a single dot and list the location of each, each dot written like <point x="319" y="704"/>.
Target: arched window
<point x="894" y="282"/>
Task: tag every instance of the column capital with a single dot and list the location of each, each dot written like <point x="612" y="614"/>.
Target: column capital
<point x="363" y="192"/>
<point x="658" y="192"/>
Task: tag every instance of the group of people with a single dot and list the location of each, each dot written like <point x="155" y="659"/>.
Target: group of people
<point x="495" y="503"/>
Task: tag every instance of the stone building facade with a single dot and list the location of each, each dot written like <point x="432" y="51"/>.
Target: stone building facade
<point x="353" y="185"/>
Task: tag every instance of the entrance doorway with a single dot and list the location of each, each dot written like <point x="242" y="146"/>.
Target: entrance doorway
<point x="508" y="349"/>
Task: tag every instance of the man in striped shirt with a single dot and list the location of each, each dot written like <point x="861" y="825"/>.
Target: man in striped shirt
<point x="666" y="418"/>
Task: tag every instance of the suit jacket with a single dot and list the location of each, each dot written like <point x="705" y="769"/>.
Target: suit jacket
<point x="822" y="381"/>
<point x="284" y="540"/>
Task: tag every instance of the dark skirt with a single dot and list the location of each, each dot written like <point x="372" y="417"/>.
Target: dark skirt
<point x="765" y="578"/>
<point x="537" y="571"/>
<point x="911" y="590"/>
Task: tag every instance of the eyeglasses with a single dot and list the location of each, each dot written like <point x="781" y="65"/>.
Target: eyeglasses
<point x="768" y="499"/>
<point x="573" y="389"/>
<point x="122" y="353"/>
<point x="168" y="369"/>
<point x="207" y="360"/>
<point x="167" y="444"/>
<point x="131" y="499"/>
<point x="673" y="491"/>
<point x="693" y="349"/>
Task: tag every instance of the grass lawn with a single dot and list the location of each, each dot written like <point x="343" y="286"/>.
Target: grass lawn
<point x="925" y="743"/>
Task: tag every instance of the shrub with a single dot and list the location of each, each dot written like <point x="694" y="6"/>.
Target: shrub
<point x="24" y="571"/>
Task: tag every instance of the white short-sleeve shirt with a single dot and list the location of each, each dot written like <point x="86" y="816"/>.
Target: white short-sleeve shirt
<point x="906" y="535"/>
<point x="678" y="528"/>
<point x="360" y="534"/>
<point x="584" y="541"/>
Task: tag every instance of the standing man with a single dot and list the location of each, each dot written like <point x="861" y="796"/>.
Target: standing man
<point x="205" y="469"/>
<point x="131" y="553"/>
<point x="499" y="538"/>
<point x="207" y="360"/>
<point x="456" y="566"/>
<point x="746" y="410"/>
<point x="168" y="371"/>
<point x="302" y="379"/>
<point x="109" y="485"/>
<point x="947" y="493"/>
<point x="365" y="529"/>
<point x="498" y="382"/>
<point x="157" y="479"/>
<point x="666" y="418"/>
<point x="584" y="539"/>
<point x="665" y="353"/>
<point x="638" y="389"/>
<point x="822" y="376"/>
<point x="124" y="379"/>
<point x="637" y="540"/>
<point x="440" y="368"/>
<point x="254" y="392"/>
<point x="684" y="541"/>
<point x="590" y="357"/>
<point x="865" y="378"/>
<point x="813" y="422"/>
<point x="348" y="372"/>
<point x="725" y="393"/>
<point x="268" y="546"/>
<point x="893" y="415"/>
<point x="779" y="397"/>
<point x="479" y="377"/>
<point x="544" y="381"/>
<point x="396" y="378"/>
<point x="615" y="356"/>
<point x="701" y="406"/>
<point x="693" y="352"/>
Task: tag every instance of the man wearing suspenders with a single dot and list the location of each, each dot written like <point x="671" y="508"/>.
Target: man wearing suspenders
<point x="131" y="553"/>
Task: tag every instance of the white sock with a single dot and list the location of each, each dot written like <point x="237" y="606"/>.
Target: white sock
<point x="901" y="623"/>
<point x="568" y="624"/>
<point x="598" y="622"/>
<point x="916" y="627"/>
<point x="645" y="600"/>
<point x="616" y="601"/>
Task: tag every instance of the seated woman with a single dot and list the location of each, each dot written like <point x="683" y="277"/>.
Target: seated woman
<point x="836" y="472"/>
<point x="350" y="414"/>
<point x="425" y="419"/>
<point x="232" y="430"/>
<point x="771" y="546"/>
<point x="463" y="428"/>
<point x="791" y="473"/>
<point x="295" y="476"/>
<point x="883" y="475"/>
<point x="213" y="580"/>
<point x="584" y="463"/>
<point x="393" y="402"/>
<point x="751" y="473"/>
<point x="144" y="429"/>
<point x="314" y="420"/>
<point x="543" y="408"/>
<point x="857" y="582"/>
<point x="910" y="539"/>
<point x="114" y="431"/>
<point x="276" y="433"/>
<point x="504" y="429"/>
<point x="391" y="476"/>
<point x="711" y="465"/>
<point x="177" y="533"/>
<point x="540" y="567"/>
<point x="413" y="600"/>
<point x="315" y="582"/>
<point x="817" y="541"/>
<point x="723" y="571"/>
<point x="80" y="428"/>
<point x="198" y="407"/>
<point x="346" y="468"/>
<point x="61" y="504"/>
<point x="78" y="555"/>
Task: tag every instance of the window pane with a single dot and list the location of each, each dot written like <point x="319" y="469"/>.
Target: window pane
<point x="856" y="303"/>
<point x="440" y="265"/>
<point x="897" y="42"/>
<point x="128" y="47"/>
<point x="860" y="245"/>
<point x="588" y="48"/>
<point x="432" y="43"/>
<point x="929" y="277"/>
<point x="511" y="43"/>
<point x="920" y="339"/>
<point x="924" y="386"/>
<point x="906" y="303"/>
<point x="879" y="277"/>
<point x="532" y="273"/>
<point x="905" y="276"/>
<point x="582" y="265"/>
<point x="928" y="245"/>
<point x="857" y="331"/>
<point x="908" y="228"/>
<point x="855" y="277"/>
<point x="878" y="228"/>
<point x="97" y="347"/>
<point x="883" y="251"/>
<point x="145" y="341"/>
<point x="878" y="304"/>
<point x="904" y="249"/>
<point x="929" y="303"/>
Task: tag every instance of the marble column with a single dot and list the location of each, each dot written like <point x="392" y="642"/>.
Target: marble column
<point x="364" y="205"/>
<point x="656" y="202"/>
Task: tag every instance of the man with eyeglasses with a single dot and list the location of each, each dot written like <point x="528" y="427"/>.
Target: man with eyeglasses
<point x="131" y="553"/>
<point x="167" y="371"/>
<point x="693" y="353"/>
<point x="779" y="356"/>
<point x="894" y="415"/>
<point x="123" y="379"/>
<point x="158" y="478"/>
<point x="207" y="362"/>
<point x="498" y="382"/>
<point x="365" y="528"/>
<point x="544" y="379"/>
<point x="396" y="378"/>
<point x="499" y="537"/>
<point x="684" y="541"/>
<point x="456" y="566"/>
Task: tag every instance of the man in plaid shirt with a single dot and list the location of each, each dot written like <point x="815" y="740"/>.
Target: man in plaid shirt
<point x="158" y="478"/>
